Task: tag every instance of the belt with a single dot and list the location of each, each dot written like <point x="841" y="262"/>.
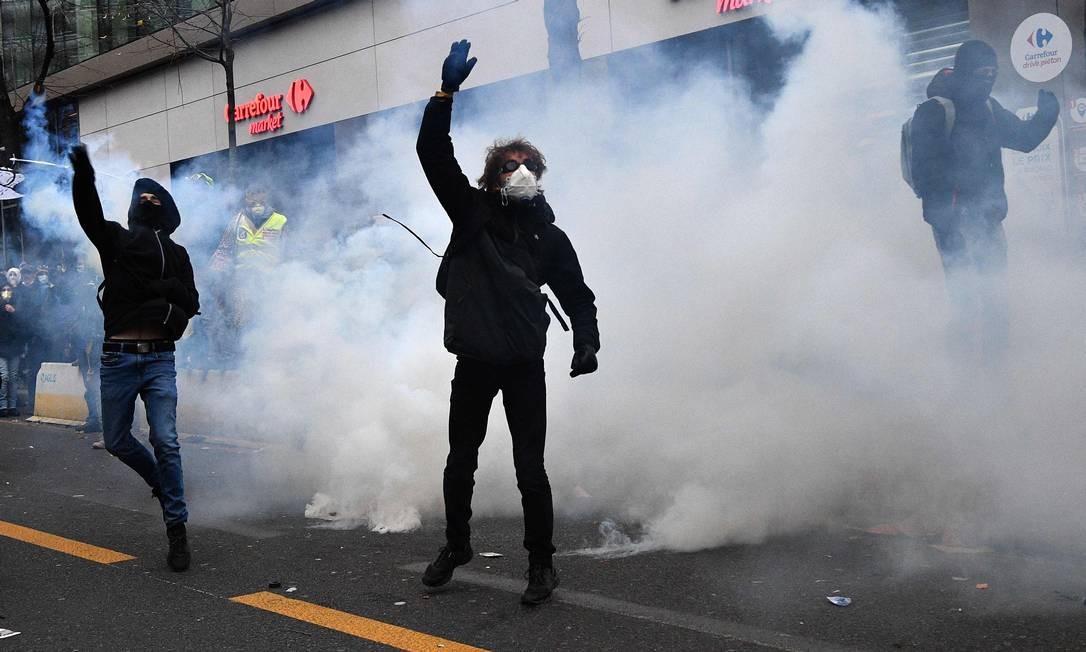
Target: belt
<point x="135" y="346"/>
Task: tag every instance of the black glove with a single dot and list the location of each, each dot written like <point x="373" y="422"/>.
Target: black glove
<point x="584" y="362"/>
<point x="457" y="67"/>
<point x="1047" y="104"/>
<point x="81" y="163"/>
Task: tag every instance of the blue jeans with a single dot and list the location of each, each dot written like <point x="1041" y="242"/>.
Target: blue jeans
<point x="152" y="377"/>
<point x="9" y="380"/>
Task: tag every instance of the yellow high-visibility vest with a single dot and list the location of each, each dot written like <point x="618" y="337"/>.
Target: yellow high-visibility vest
<point x="258" y="247"/>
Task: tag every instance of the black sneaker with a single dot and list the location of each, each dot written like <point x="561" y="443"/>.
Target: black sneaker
<point x="179" y="556"/>
<point x="542" y="581"/>
<point x="441" y="570"/>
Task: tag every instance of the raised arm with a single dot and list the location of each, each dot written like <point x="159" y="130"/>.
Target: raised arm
<point x="88" y="207"/>
<point x="1026" y="135"/>
<point x="434" y="145"/>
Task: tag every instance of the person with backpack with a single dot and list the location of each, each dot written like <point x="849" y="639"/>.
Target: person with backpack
<point x="952" y="157"/>
<point x="504" y="247"/>
<point x="147" y="299"/>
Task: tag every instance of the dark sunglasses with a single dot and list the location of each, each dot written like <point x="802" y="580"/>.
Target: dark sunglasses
<point x="511" y="165"/>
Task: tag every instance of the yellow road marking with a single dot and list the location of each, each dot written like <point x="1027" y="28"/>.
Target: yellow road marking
<point x="60" y="544"/>
<point x="373" y="630"/>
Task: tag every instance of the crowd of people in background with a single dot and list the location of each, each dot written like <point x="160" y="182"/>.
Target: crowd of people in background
<point x="48" y="313"/>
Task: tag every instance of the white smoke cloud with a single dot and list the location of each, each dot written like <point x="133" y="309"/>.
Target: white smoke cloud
<point x="771" y="305"/>
<point x="772" y="313"/>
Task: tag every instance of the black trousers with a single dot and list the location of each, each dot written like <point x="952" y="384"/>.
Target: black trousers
<point x="524" y="395"/>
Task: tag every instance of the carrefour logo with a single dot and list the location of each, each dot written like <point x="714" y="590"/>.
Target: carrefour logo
<point x="1041" y="47"/>
<point x="1040" y="38"/>
<point x="300" y="95"/>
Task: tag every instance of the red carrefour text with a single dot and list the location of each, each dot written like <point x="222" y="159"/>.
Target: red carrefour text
<point x="732" y="5"/>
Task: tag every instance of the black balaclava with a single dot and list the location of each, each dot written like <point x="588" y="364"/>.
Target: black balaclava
<point x="971" y="56"/>
<point x="163" y="218"/>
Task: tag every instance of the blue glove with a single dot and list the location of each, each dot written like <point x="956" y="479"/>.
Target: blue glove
<point x="457" y="66"/>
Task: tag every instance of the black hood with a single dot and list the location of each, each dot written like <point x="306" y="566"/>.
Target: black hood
<point x="942" y="84"/>
<point x="969" y="89"/>
<point x="973" y="55"/>
<point x="166" y="219"/>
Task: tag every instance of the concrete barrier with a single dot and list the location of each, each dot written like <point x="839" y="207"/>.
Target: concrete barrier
<point x="59" y="396"/>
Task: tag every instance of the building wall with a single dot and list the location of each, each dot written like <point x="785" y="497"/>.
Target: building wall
<point x="1059" y="162"/>
<point x="363" y="56"/>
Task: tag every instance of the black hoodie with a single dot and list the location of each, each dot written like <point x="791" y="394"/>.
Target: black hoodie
<point x="498" y="258"/>
<point x="964" y="171"/>
<point x="148" y="277"/>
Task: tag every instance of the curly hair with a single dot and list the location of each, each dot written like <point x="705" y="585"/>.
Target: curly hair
<point x="497" y="154"/>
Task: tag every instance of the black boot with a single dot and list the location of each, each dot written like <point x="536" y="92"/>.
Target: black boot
<point x="542" y="581"/>
<point x="179" y="556"/>
<point x="441" y="570"/>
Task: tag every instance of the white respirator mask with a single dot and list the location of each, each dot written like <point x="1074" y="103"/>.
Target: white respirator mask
<point x="257" y="210"/>
<point x="522" y="185"/>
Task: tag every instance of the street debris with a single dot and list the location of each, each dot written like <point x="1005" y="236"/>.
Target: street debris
<point x="983" y="586"/>
<point x="960" y="579"/>
<point x="275" y="585"/>
<point x="962" y="550"/>
<point x="491" y="555"/>
<point x="399" y="604"/>
<point x="839" y="600"/>
<point x="7" y="633"/>
<point x="292" y="589"/>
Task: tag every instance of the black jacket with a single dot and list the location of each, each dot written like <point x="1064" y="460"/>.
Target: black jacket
<point x="148" y="277"/>
<point x="965" y="171"/>
<point x="13" y="325"/>
<point x="497" y="260"/>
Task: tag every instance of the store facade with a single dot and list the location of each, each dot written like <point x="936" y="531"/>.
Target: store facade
<point x="313" y="68"/>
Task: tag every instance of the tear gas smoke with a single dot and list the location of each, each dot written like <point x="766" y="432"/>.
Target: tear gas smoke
<point x="47" y="199"/>
<point x="771" y="307"/>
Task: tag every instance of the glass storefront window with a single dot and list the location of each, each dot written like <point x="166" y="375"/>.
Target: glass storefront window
<point x="82" y="29"/>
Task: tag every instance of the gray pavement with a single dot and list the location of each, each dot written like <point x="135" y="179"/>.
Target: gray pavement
<point x="906" y="593"/>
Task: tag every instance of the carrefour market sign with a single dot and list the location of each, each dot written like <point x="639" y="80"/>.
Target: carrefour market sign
<point x="266" y="111"/>
<point x="1041" y="47"/>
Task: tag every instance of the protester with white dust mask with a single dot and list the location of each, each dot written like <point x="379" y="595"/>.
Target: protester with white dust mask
<point x="504" y="247"/>
<point x="147" y="299"/>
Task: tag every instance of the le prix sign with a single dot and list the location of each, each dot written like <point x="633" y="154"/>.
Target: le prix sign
<point x="266" y="111"/>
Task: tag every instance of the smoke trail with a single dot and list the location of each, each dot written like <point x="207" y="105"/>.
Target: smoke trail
<point x="47" y="204"/>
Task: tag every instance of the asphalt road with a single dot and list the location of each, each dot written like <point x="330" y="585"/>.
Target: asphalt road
<point x="353" y="587"/>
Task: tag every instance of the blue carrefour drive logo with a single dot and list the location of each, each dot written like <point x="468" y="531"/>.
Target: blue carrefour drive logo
<point x="1040" y="38"/>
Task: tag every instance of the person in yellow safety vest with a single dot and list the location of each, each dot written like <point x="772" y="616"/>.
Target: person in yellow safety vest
<point x="254" y="238"/>
<point x="253" y="241"/>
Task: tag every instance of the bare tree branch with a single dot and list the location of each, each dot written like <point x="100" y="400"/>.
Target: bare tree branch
<point x="50" y="47"/>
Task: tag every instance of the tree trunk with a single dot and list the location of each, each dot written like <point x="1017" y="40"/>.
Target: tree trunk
<point x="226" y="44"/>
<point x="231" y="123"/>
<point x="50" y="48"/>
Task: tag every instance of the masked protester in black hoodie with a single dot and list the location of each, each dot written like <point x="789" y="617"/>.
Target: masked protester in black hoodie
<point x="147" y="299"/>
<point x="504" y="247"/>
<point x="958" y="173"/>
